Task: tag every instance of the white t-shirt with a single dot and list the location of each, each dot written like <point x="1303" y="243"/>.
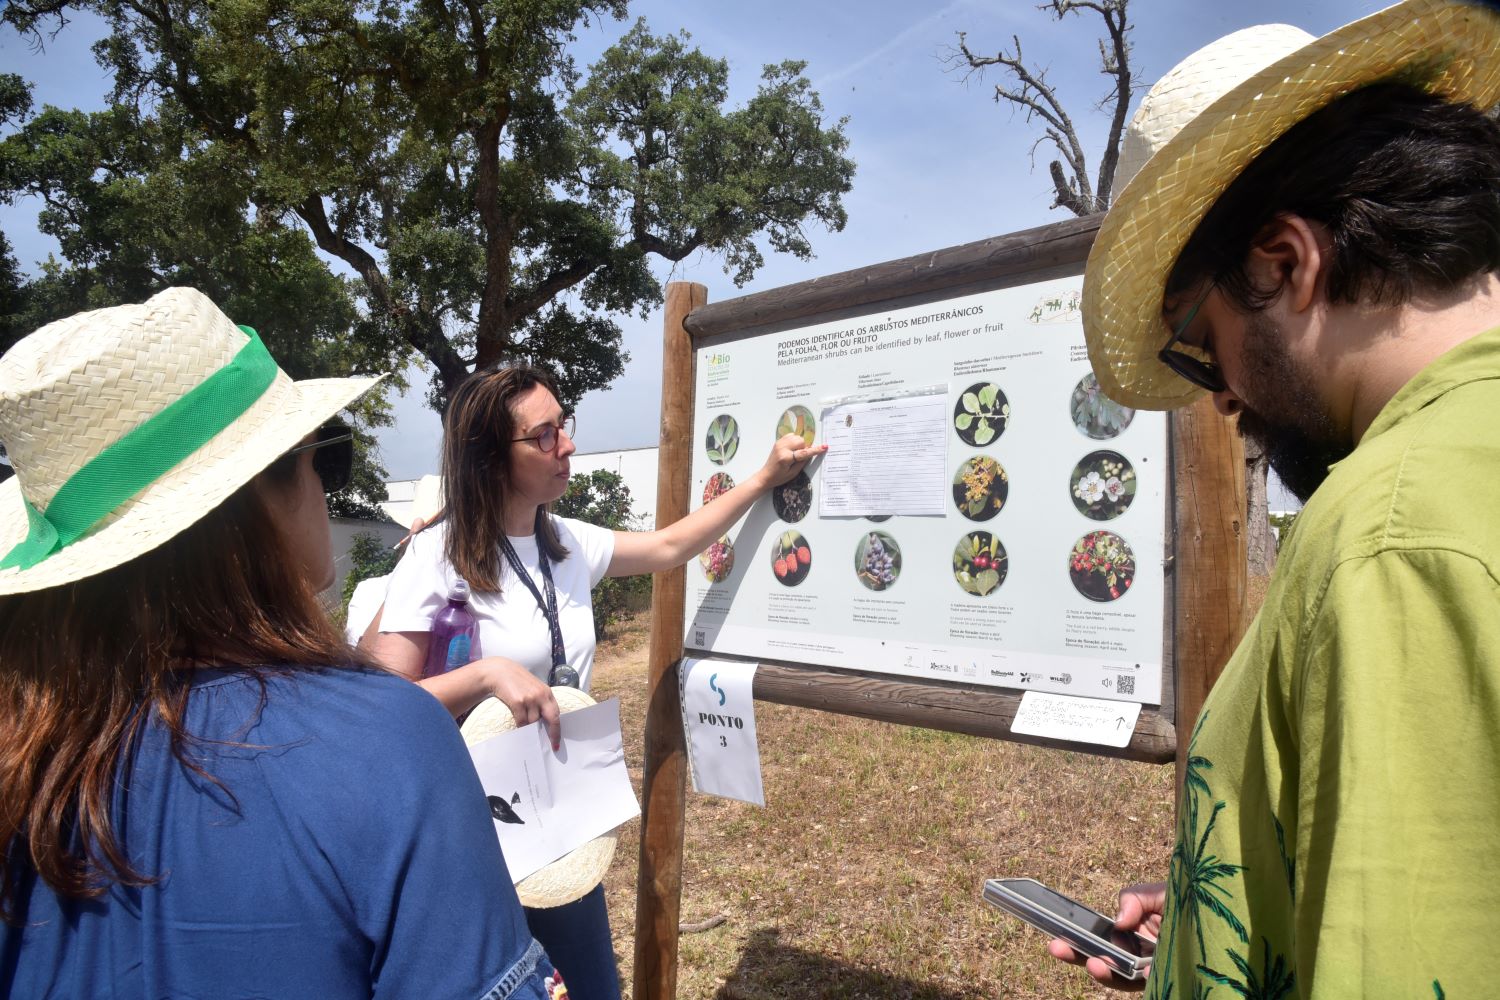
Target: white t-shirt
<point x="363" y="603"/>
<point x="511" y="623"/>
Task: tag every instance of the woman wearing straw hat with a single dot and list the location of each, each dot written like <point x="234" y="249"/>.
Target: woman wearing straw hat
<point x="203" y="790"/>
<point x="506" y="445"/>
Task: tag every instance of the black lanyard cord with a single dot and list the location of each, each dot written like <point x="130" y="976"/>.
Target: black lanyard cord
<point x="561" y="675"/>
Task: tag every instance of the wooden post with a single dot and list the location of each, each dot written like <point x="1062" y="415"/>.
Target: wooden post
<point x="659" y="885"/>
<point x="1209" y="567"/>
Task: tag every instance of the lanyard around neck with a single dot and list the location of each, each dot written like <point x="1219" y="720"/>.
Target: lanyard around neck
<point x="561" y="674"/>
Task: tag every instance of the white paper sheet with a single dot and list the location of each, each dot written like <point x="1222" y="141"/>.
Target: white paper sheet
<point x="1082" y="720"/>
<point x="718" y="714"/>
<point x="887" y="456"/>
<point x="547" y="803"/>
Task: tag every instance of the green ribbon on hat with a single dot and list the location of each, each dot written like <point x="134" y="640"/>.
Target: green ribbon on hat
<point x="139" y="458"/>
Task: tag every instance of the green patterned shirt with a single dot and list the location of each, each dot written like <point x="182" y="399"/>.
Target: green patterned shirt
<point x="1340" y="828"/>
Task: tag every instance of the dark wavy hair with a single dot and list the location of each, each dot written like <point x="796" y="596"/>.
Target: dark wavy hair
<point x="86" y="665"/>
<point x="1407" y="184"/>
<point x="478" y="431"/>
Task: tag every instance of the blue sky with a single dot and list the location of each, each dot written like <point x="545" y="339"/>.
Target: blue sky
<point x="939" y="163"/>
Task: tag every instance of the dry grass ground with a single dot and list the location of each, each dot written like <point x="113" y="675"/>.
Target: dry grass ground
<point x="861" y="877"/>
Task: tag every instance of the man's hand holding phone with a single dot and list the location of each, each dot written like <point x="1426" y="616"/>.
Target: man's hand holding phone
<point x="1141" y="908"/>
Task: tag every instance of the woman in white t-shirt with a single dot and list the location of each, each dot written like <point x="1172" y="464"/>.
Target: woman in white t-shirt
<point x="506" y="444"/>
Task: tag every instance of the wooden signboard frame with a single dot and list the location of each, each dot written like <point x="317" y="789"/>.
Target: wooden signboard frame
<point x="1204" y="555"/>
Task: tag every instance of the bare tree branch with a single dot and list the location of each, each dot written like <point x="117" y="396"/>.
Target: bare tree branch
<point x="1072" y="187"/>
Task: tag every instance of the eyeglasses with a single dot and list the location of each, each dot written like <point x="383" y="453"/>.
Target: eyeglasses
<point x="547" y="438"/>
<point x="333" y="455"/>
<point x="1203" y="374"/>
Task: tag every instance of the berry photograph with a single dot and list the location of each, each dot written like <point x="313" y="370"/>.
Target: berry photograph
<point x="979" y="563"/>
<point x="877" y="560"/>
<point x="791" y="558"/>
<point x="1102" y="566"/>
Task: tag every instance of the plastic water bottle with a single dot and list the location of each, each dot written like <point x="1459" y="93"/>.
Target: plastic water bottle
<point x="454" y="639"/>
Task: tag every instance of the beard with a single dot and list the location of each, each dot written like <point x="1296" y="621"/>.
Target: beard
<point x="1283" y="412"/>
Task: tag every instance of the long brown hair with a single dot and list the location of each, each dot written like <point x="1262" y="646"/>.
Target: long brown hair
<point x="84" y="666"/>
<point x="478" y="432"/>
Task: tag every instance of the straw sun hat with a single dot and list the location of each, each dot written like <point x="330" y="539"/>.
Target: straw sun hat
<point x="1208" y="118"/>
<point x="126" y="425"/>
<point x="574" y="875"/>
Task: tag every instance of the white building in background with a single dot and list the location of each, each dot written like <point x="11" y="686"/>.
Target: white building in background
<point x="637" y="466"/>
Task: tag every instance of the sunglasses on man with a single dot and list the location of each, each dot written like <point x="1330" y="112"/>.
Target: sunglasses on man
<point x="1203" y="374"/>
<point x="333" y="455"/>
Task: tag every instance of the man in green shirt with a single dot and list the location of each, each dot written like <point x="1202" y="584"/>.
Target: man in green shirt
<point x="1312" y="235"/>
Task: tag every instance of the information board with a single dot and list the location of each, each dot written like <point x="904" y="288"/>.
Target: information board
<point x="1037" y="564"/>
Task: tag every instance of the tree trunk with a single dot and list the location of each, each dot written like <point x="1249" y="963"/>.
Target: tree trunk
<point x="1260" y="543"/>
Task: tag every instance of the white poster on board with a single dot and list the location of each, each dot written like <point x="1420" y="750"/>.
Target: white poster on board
<point x="1041" y="567"/>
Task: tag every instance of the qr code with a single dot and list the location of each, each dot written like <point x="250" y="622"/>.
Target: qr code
<point x="1125" y="684"/>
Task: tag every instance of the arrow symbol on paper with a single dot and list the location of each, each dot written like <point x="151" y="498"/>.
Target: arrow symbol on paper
<point x="1119" y="722"/>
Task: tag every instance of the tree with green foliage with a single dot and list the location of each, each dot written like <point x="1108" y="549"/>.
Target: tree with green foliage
<point x="602" y="498"/>
<point x="369" y="556"/>
<point x="491" y="203"/>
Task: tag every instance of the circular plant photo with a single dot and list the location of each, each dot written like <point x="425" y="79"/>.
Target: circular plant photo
<point x="877" y="518"/>
<point x="717" y="560"/>
<point x="718" y="484"/>
<point x="981" y="414"/>
<point x="1103" y="485"/>
<point x="1094" y="413"/>
<point x="1102" y="566"/>
<point x="723" y="439"/>
<point x="793" y="499"/>
<point x="979" y="563"/>
<point x="791" y="558"/>
<point x="797" y="420"/>
<point x="877" y="560"/>
<point x="980" y="488"/>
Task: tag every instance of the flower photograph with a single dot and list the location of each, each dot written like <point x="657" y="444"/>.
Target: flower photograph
<point x="1095" y="414"/>
<point x="718" y="484"/>
<point x="797" y="420"/>
<point x="723" y="439"/>
<point x="877" y="560"/>
<point x="979" y="563"/>
<point x="793" y="499"/>
<point x="717" y="560"/>
<point x="980" y="488"/>
<point x="1102" y="566"/>
<point x="981" y="414"/>
<point x="791" y="558"/>
<point x="1103" y="485"/>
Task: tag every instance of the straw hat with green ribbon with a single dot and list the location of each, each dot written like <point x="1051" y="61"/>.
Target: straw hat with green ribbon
<point x="125" y="425"/>
<point x="1206" y="120"/>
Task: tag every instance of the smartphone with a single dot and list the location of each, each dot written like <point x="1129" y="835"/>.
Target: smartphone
<point x="1088" y="931"/>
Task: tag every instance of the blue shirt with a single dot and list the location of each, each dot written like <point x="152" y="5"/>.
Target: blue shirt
<point x="350" y="853"/>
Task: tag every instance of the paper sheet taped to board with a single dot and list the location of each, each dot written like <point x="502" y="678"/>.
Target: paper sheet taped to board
<point x="885" y="456"/>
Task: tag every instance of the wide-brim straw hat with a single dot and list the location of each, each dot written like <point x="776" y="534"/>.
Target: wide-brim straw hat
<point x="1206" y="120"/>
<point x="102" y="407"/>
<point x="574" y="875"/>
